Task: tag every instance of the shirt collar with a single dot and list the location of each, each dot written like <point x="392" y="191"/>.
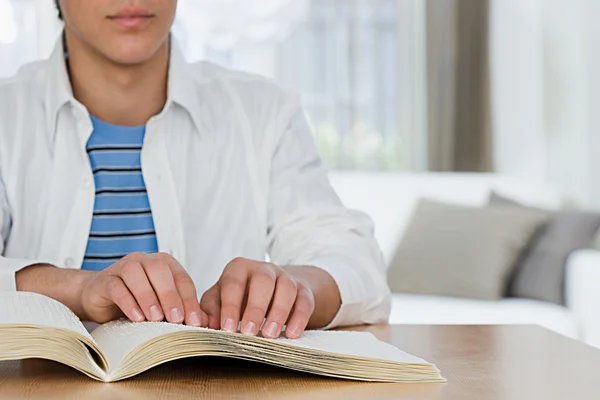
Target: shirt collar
<point x="58" y="88"/>
<point x="182" y="88"/>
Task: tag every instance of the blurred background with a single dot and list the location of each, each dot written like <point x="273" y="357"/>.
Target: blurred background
<point x="468" y="129"/>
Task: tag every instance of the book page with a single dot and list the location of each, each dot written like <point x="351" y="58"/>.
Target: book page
<point x="23" y="308"/>
<point x="351" y="344"/>
<point x="117" y="339"/>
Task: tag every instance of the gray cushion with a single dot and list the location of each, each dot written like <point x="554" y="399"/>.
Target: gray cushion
<point x="541" y="270"/>
<point x="458" y="251"/>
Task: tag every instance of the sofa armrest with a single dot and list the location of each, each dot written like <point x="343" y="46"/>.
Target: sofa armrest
<point x="582" y="293"/>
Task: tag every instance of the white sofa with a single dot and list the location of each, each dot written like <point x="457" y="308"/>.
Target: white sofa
<point x="389" y="198"/>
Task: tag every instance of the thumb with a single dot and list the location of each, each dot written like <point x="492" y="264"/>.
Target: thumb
<point x="210" y="304"/>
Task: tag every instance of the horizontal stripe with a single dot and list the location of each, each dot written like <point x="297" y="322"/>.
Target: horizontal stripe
<point x="113" y="202"/>
<point x="124" y="159"/>
<point x="136" y="223"/>
<point x="144" y="244"/>
<point x="122" y="192"/>
<point x="121" y="213"/>
<point x="119" y="191"/>
<point x="117" y="235"/>
<point x="113" y="148"/>
<point x="129" y="170"/>
<point x="111" y="257"/>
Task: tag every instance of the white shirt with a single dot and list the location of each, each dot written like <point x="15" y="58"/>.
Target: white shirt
<point x="231" y="171"/>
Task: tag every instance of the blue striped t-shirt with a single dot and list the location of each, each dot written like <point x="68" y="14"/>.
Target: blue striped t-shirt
<point x="122" y="221"/>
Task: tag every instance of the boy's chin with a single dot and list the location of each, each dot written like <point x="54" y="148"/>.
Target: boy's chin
<point x="132" y="54"/>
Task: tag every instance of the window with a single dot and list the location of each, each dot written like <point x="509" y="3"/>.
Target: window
<point x="343" y="56"/>
<point x="18" y="35"/>
<point x="358" y="64"/>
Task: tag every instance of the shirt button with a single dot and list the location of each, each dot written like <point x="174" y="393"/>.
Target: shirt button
<point x="69" y="262"/>
<point x="87" y="184"/>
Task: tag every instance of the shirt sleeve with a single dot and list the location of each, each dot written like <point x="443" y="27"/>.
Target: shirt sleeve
<point x="308" y="225"/>
<point x="8" y="266"/>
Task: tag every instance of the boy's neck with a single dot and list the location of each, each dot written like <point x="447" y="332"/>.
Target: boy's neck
<point x="126" y="95"/>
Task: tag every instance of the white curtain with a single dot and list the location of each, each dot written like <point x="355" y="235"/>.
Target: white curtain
<point x="546" y="102"/>
<point x="18" y="35"/>
<point x="364" y="101"/>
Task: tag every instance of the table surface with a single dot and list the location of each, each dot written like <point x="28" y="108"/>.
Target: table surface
<point x="480" y="362"/>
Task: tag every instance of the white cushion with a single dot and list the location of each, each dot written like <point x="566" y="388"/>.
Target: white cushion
<point x="432" y="310"/>
<point x="389" y="198"/>
<point x="582" y="292"/>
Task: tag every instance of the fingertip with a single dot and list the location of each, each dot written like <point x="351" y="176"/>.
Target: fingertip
<point x="271" y="330"/>
<point x="293" y="332"/>
<point x="176" y="316"/>
<point x="136" y="315"/>
<point x="229" y="325"/>
<point x="249" y="328"/>
<point x="156" y="314"/>
<point x="194" y="319"/>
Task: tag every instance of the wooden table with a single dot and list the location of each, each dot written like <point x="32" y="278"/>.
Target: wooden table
<point x="480" y="362"/>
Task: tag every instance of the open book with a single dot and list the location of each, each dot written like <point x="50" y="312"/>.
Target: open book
<point x="35" y="326"/>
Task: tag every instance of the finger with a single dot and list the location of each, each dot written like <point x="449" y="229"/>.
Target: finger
<point x="233" y="285"/>
<point x="210" y="304"/>
<point x="161" y="277"/>
<point x="204" y="320"/>
<point x="119" y="294"/>
<point x="260" y="294"/>
<point x="134" y="277"/>
<point x="187" y="291"/>
<point x="303" y="310"/>
<point x="286" y="292"/>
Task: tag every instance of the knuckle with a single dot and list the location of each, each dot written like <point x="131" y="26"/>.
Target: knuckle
<point x="264" y="277"/>
<point x="165" y="256"/>
<point x="230" y="309"/>
<point x="280" y="313"/>
<point x="182" y="277"/>
<point x="113" y="286"/>
<point x="129" y="267"/>
<point x="154" y="265"/>
<point x="232" y="283"/>
<point x="137" y="254"/>
<point x="191" y="304"/>
<point x="238" y="262"/>
<point x="287" y="284"/>
<point x="186" y="286"/>
<point x="170" y="293"/>
<point x="256" y="309"/>
<point x="170" y="300"/>
<point x="306" y="302"/>
<point x="268" y="268"/>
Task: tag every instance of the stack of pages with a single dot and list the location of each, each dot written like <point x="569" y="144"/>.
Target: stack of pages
<point x="35" y="326"/>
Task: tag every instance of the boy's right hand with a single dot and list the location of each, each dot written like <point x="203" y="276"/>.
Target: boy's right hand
<point x="151" y="287"/>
